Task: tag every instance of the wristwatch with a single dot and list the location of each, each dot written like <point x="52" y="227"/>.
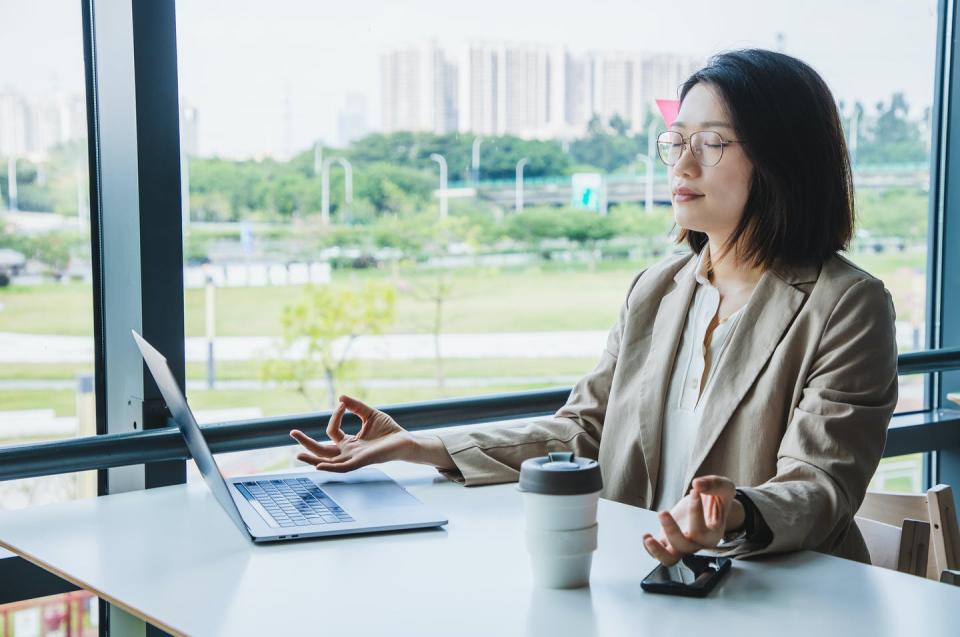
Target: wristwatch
<point x="754" y="529"/>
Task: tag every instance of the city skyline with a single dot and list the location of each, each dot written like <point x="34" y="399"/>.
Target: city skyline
<point x="234" y="71"/>
<point x="522" y="88"/>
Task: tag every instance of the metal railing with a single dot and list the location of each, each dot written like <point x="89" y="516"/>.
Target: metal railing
<point x="909" y="433"/>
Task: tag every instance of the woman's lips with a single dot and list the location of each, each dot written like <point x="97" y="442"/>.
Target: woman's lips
<point x="685" y="197"/>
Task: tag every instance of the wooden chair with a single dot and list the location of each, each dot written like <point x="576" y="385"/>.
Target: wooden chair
<point x="936" y="507"/>
<point x="903" y="549"/>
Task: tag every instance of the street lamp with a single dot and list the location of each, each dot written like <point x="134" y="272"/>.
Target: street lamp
<point x="519" y="193"/>
<point x="443" y="182"/>
<point x="648" y="194"/>
<point x="12" y="182"/>
<point x="325" y="186"/>
<point x="649" y="160"/>
<point x="652" y="139"/>
<point x="854" y="135"/>
<point x="475" y="160"/>
<point x="210" y="305"/>
<point x="184" y="186"/>
<point x="347" y="187"/>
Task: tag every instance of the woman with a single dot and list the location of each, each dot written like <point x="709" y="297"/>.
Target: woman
<point x="746" y="389"/>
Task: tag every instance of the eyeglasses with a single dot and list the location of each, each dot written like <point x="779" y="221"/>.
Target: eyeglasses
<point x="707" y="147"/>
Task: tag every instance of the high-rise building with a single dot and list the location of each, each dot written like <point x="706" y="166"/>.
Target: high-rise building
<point x="621" y="83"/>
<point x="14" y="117"/>
<point x="663" y="73"/>
<point x="514" y="89"/>
<point x="616" y="88"/>
<point x="418" y="90"/>
<point x="578" y="92"/>
<point x="30" y="127"/>
<point x="189" y="133"/>
<point x="523" y="89"/>
<point x="479" y="103"/>
<point x="352" y="119"/>
<point x="624" y="83"/>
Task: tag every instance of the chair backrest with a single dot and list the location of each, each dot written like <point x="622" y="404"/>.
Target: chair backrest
<point x="936" y="507"/>
<point x="903" y="549"/>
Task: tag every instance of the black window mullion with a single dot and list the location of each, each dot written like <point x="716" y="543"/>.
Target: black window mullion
<point x="943" y="270"/>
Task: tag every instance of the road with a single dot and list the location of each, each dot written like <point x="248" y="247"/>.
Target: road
<point x="45" y="348"/>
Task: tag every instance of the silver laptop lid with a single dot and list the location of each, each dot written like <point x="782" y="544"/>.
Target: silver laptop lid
<point x="177" y="404"/>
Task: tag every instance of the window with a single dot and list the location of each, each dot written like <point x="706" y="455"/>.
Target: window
<point x="46" y="312"/>
<point x="435" y="202"/>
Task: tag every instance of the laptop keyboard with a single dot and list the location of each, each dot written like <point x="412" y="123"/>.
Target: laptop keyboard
<point x="292" y="502"/>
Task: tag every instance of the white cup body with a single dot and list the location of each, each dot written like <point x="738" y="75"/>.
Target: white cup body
<point x="560" y="512"/>
<point x="561" y="537"/>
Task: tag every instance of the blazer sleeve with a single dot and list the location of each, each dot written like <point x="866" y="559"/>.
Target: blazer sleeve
<point x="835" y="437"/>
<point x="491" y="455"/>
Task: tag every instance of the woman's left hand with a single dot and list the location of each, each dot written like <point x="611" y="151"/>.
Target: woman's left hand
<point x="698" y="521"/>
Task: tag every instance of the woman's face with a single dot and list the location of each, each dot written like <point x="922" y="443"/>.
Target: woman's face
<point x="708" y="199"/>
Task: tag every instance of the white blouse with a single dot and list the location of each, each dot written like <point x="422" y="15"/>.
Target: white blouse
<point x="685" y="399"/>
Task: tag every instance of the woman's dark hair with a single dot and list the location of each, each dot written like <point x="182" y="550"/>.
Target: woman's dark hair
<point x="800" y="208"/>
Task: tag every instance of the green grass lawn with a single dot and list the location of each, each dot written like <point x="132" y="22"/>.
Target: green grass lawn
<point x="547" y="298"/>
<point x="273" y="401"/>
<point x="250" y="370"/>
<point x="482" y="301"/>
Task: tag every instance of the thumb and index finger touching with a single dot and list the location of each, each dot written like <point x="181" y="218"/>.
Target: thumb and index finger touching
<point x="334" y="428"/>
<point x="718" y="491"/>
<point x="714" y="485"/>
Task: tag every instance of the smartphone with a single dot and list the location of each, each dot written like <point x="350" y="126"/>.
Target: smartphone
<point x="692" y="576"/>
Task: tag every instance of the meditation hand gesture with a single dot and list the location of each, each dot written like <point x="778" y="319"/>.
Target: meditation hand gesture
<point x="698" y="521"/>
<point x="380" y="439"/>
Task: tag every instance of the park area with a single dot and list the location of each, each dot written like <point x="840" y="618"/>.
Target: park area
<point x="386" y="288"/>
<point x="501" y="329"/>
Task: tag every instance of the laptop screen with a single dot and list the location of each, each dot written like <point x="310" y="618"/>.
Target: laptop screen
<point x="177" y="404"/>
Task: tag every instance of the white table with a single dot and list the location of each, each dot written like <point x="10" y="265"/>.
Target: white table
<point x="171" y="557"/>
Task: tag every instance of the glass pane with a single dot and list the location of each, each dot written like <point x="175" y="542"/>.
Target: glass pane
<point x="474" y="190"/>
<point x="46" y="310"/>
<point x="73" y="614"/>
<point x="901" y="474"/>
<point x="69" y="614"/>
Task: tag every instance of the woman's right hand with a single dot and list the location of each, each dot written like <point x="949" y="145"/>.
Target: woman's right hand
<point x="380" y="439"/>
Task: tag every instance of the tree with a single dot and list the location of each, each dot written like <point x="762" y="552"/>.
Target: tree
<point x="890" y="135"/>
<point x="313" y="326"/>
<point x="619" y="125"/>
<point x="435" y="290"/>
<point x="899" y="212"/>
<point x="392" y="189"/>
<point x="608" y="149"/>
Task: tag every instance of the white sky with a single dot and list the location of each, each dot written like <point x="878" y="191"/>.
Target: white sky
<point x="239" y="58"/>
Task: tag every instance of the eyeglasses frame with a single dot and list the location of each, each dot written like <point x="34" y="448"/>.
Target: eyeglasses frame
<point x="685" y="142"/>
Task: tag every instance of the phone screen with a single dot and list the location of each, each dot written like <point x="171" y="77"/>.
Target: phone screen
<point x="693" y="575"/>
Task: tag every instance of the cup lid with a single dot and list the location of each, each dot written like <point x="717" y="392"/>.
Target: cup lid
<point x="560" y="473"/>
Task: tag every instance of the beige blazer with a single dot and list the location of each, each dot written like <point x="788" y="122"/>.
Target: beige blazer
<point x="797" y="418"/>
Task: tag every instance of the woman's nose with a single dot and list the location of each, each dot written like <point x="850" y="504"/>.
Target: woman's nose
<point x="687" y="164"/>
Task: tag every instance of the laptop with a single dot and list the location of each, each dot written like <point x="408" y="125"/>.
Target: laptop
<point x="269" y="508"/>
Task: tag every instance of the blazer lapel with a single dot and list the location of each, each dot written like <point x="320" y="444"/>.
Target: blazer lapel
<point x="655" y="376"/>
<point x="764" y="321"/>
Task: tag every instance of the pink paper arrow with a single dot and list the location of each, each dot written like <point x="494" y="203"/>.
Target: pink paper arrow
<point x="669" y="109"/>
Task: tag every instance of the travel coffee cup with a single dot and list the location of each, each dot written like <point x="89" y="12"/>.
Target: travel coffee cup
<point x="560" y="493"/>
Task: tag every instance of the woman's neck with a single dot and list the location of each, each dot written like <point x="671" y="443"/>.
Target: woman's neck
<point x="729" y="272"/>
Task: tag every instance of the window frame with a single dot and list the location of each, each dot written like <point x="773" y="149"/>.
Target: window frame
<point x="138" y="169"/>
